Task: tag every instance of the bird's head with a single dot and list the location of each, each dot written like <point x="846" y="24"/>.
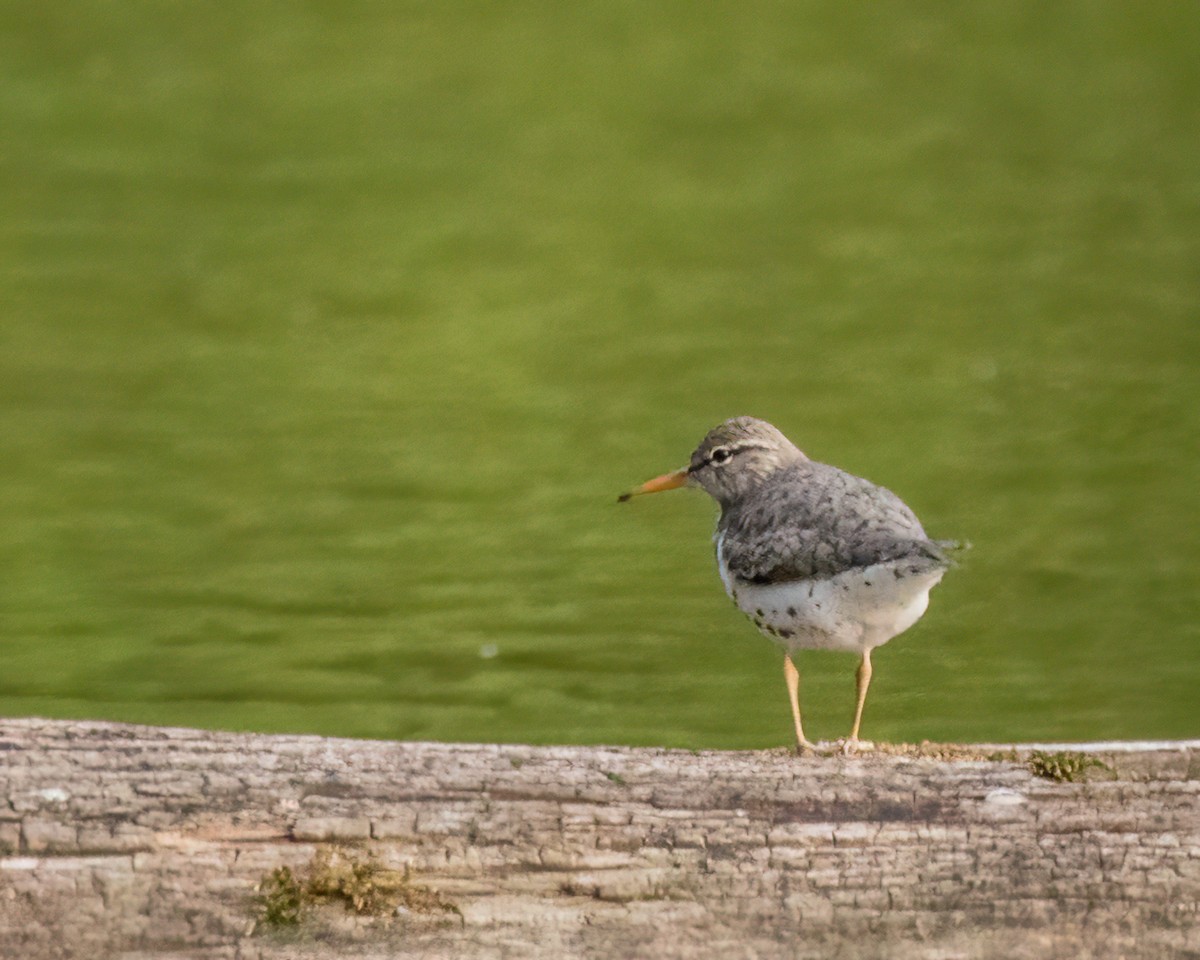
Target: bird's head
<point x="733" y="459"/>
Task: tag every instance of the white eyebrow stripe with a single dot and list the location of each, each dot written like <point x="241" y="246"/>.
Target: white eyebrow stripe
<point x="735" y="446"/>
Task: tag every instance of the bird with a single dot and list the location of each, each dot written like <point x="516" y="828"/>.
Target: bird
<point x="817" y="558"/>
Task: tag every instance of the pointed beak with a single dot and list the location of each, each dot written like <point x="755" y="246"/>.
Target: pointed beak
<point x="668" y="481"/>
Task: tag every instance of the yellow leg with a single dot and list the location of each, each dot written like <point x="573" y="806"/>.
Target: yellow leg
<point x="792" y="676"/>
<point x="864" y="680"/>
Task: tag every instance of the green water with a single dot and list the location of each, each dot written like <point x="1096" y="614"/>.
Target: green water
<point x="329" y="333"/>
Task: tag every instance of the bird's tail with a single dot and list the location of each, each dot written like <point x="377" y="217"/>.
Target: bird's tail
<point x="950" y="551"/>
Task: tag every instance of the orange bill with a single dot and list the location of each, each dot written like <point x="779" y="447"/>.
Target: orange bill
<point x="668" y="481"/>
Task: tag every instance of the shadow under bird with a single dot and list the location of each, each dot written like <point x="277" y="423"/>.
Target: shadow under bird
<point x="818" y="558"/>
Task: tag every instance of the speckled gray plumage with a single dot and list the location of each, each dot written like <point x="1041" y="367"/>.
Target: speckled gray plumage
<point x="814" y="521"/>
<point x="785" y="517"/>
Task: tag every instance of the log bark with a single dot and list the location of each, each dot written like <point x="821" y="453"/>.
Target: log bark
<point x="141" y="842"/>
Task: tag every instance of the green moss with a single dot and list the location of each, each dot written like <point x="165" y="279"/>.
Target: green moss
<point x="335" y="876"/>
<point x="280" y="901"/>
<point x="1063" y="766"/>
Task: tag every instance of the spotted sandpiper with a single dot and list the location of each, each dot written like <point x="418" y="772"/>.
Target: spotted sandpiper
<point x="818" y="558"/>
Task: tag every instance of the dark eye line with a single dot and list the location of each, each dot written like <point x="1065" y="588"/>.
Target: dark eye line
<point x="730" y="451"/>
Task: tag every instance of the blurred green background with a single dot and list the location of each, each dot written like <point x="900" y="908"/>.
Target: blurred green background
<point x="330" y="332"/>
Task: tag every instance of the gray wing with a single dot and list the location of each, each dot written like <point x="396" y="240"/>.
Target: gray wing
<point x="820" y="522"/>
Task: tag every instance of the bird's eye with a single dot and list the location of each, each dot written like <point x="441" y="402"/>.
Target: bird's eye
<point x="720" y="455"/>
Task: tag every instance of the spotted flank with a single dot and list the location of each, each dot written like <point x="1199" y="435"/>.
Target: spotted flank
<point x="853" y="611"/>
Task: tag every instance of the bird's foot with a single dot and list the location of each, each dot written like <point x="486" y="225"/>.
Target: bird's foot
<point x="852" y="745"/>
<point x="805" y="746"/>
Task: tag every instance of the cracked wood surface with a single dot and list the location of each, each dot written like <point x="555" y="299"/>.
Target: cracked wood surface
<point x="140" y="842"/>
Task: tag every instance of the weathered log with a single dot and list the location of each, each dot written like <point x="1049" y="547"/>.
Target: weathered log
<point x="144" y="842"/>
